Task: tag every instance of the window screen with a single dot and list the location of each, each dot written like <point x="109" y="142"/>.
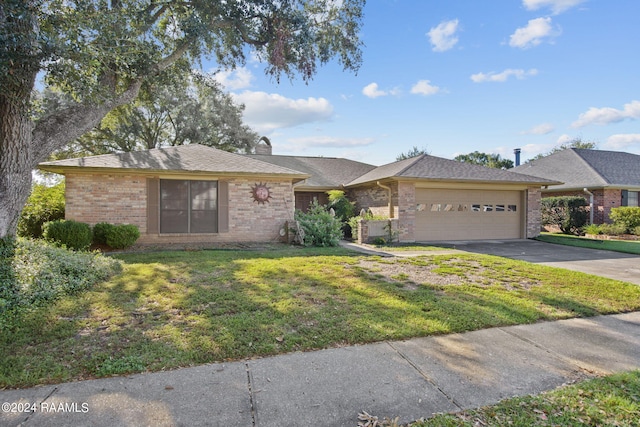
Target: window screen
<point x="188" y="206"/>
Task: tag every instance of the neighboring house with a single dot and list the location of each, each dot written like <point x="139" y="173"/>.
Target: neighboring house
<point x="195" y="193"/>
<point x="612" y="177"/>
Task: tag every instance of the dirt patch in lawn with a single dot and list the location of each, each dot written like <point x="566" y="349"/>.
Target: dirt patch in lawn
<point x="413" y="272"/>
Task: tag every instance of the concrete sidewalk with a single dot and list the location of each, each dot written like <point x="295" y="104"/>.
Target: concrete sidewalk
<point x="409" y="379"/>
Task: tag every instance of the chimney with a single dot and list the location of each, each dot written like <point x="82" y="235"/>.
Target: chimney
<point x="517" y="153"/>
<point x="264" y="146"/>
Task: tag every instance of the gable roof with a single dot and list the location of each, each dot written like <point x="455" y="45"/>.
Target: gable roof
<point x="326" y="172"/>
<point x="439" y="169"/>
<point x="192" y="158"/>
<point x="579" y="168"/>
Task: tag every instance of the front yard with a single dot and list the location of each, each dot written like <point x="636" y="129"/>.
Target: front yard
<point x="174" y="309"/>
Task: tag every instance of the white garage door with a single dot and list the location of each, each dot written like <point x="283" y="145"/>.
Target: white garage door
<point x="468" y="214"/>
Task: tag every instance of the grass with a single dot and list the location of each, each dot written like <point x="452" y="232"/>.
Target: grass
<point x="625" y="246"/>
<point x="609" y="401"/>
<point x="174" y="309"/>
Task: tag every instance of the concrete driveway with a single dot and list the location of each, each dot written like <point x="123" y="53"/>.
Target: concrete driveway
<point x="609" y="264"/>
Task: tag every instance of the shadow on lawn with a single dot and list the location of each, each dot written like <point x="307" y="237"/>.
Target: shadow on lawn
<point x="176" y="309"/>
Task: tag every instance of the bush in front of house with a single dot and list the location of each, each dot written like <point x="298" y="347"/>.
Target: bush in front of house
<point x="122" y="236"/>
<point x="612" y="229"/>
<point x="344" y="209"/>
<point x="71" y="234"/>
<point x="626" y="216"/>
<point x="319" y="226"/>
<point x="567" y="213"/>
<point x="35" y="272"/>
<point x="100" y="231"/>
<point x="44" y="204"/>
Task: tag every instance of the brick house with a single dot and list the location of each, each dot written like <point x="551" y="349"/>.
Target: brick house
<point x="194" y="193"/>
<point x="611" y="178"/>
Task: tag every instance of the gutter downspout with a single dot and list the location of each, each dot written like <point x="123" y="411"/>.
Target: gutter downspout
<point x="590" y="204"/>
<point x="391" y="213"/>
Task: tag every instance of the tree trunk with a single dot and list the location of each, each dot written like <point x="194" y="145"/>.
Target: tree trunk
<point x="15" y="162"/>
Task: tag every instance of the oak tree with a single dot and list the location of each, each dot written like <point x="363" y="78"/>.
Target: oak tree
<point x="100" y="53"/>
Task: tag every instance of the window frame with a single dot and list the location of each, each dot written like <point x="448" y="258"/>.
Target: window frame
<point x="189" y="210"/>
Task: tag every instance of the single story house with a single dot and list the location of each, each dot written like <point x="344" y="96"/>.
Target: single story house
<point x="195" y="193"/>
<point x="610" y="178"/>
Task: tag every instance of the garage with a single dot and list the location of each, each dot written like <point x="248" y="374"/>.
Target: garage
<point x="463" y="214"/>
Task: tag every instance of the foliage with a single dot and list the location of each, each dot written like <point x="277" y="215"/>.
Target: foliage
<point x="636" y="231"/>
<point x="191" y="108"/>
<point x="320" y="227"/>
<point x="613" y="229"/>
<point x="574" y="143"/>
<point x="100" y="231"/>
<point x="71" y="234"/>
<point x="626" y="216"/>
<point x="368" y="216"/>
<point x="122" y="236"/>
<point x="592" y="229"/>
<point x="100" y="54"/>
<point x="414" y="152"/>
<point x="343" y="207"/>
<point x="567" y="213"/>
<point x="42" y="273"/>
<point x="484" y="159"/>
<point x="44" y="204"/>
<point x="624" y="246"/>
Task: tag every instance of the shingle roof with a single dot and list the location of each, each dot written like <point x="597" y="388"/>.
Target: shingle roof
<point x="326" y="172"/>
<point x="439" y="169"/>
<point x="579" y="168"/>
<point x="184" y="158"/>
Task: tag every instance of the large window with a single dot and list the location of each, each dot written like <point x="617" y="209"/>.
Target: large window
<point x="188" y="206"/>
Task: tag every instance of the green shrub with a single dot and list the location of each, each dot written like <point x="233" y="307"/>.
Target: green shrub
<point x="636" y="231"/>
<point x="100" y="231"/>
<point x="42" y="273"/>
<point x="44" y="204"/>
<point x="592" y="229"/>
<point x="343" y="208"/>
<point x="72" y="234"/>
<point x="626" y="216"/>
<point x="568" y="213"/>
<point x="613" y="229"/>
<point x="122" y="236"/>
<point x="319" y="226"/>
<point x="353" y="222"/>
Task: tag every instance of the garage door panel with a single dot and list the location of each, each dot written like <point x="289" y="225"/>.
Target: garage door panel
<point x="467" y="214"/>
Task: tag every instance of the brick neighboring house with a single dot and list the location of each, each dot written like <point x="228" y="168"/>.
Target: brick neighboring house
<point x="194" y="193"/>
<point x="612" y="177"/>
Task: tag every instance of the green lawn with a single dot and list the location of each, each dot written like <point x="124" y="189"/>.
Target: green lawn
<point x="609" y="401"/>
<point x="174" y="309"/>
<point x="626" y="246"/>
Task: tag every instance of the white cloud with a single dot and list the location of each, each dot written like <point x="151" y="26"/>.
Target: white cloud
<point x="266" y="112"/>
<point x="372" y="90"/>
<point x="622" y="141"/>
<point x="424" y="87"/>
<point x="564" y="139"/>
<point x="541" y="129"/>
<point x="556" y="6"/>
<point x="607" y="115"/>
<point x="443" y="36"/>
<point x="532" y="34"/>
<point x="240" y="78"/>
<point x="503" y="76"/>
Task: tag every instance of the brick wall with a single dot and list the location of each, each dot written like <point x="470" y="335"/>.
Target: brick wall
<point x="406" y="211"/>
<point x="118" y="199"/>
<point x="121" y="199"/>
<point x="375" y="198"/>
<point x="603" y="201"/>
<point x="534" y="212"/>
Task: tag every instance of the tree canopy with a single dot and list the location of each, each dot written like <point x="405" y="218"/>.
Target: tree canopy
<point x="101" y="52"/>
<point x="484" y="159"/>
<point x="414" y="152"/>
<point x="574" y="143"/>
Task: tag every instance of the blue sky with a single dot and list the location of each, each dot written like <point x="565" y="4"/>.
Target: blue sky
<point x="458" y="76"/>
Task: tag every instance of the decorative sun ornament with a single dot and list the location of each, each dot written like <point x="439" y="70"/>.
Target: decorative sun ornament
<point x="261" y="193"/>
